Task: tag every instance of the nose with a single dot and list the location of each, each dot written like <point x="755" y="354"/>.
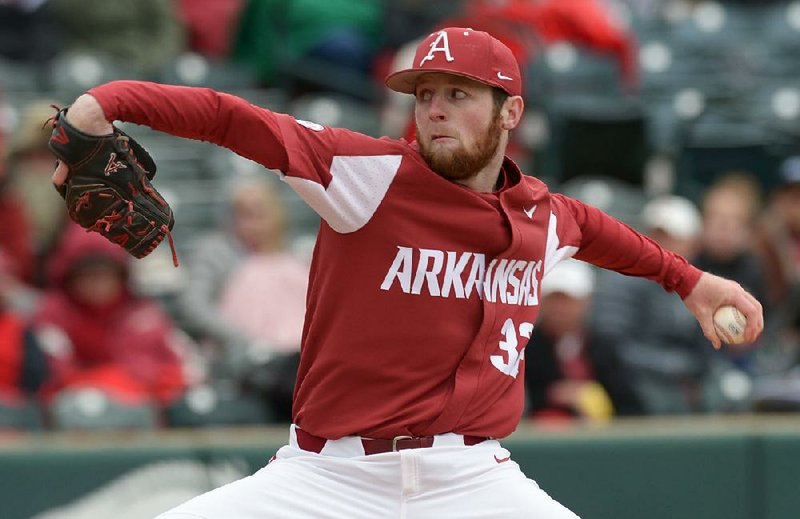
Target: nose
<point x="436" y="111"/>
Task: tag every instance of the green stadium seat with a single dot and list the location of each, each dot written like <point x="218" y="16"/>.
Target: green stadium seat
<point x="71" y="73"/>
<point x="210" y="406"/>
<point x="17" y="76"/>
<point x="617" y="198"/>
<point x="595" y="136"/>
<point x="193" y="69"/>
<point x="337" y="111"/>
<point x="24" y="415"/>
<point x="92" y="409"/>
<point x="566" y="70"/>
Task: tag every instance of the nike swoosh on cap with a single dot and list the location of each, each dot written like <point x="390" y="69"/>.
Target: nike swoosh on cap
<point x="501" y="76"/>
<point x="529" y="212"/>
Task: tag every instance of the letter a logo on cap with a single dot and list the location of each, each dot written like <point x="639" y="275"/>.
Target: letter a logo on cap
<point x="435" y="47"/>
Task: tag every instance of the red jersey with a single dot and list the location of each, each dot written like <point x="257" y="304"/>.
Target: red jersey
<point x="422" y="292"/>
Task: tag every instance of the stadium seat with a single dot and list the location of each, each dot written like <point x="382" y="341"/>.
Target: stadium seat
<point x="619" y="199"/>
<point x="197" y="206"/>
<point x="778" y="394"/>
<point x="320" y="75"/>
<point x="177" y="160"/>
<point x="16" y="76"/>
<point x="595" y="136"/>
<point x="71" y="73"/>
<point x="210" y="406"/>
<point x="90" y="409"/>
<point x="22" y="415"/>
<point x="193" y="69"/>
<point x="782" y="35"/>
<point x="715" y="144"/>
<point x="568" y="70"/>
<point x="337" y="111"/>
<point x="228" y="166"/>
<point x="775" y="104"/>
<point x="721" y="46"/>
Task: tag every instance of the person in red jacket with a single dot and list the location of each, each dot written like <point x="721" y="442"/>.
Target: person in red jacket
<point x="585" y="23"/>
<point x="99" y="333"/>
<point x="16" y="244"/>
<point x="23" y="367"/>
<point x="424" y="288"/>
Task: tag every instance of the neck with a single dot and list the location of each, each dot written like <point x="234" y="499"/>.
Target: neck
<point x="485" y="180"/>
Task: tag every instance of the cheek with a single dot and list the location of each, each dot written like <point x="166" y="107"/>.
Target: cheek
<point x="419" y="118"/>
<point x="475" y="127"/>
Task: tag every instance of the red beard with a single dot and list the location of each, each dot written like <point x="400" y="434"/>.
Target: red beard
<point x="461" y="164"/>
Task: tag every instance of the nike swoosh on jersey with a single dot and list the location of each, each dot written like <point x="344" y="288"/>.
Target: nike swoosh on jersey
<point x="529" y="212"/>
<point x="503" y="77"/>
<point x="501" y="460"/>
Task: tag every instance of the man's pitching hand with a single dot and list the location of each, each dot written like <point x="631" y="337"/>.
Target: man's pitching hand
<point x="710" y="293"/>
<point x="86" y="115"/>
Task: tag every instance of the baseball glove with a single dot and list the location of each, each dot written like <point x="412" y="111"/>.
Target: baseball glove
<point x="108" y="189"/>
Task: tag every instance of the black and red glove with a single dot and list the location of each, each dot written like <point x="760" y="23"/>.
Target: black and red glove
<point x="108" y="188"/>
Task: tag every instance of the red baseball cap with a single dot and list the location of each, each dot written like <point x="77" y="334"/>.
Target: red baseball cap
<point x="464" y="52"/>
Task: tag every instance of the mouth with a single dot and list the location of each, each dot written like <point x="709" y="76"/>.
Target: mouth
<point x="435" y="138"/>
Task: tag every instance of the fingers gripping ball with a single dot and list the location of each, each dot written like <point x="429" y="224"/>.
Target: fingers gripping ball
<point x="730" y="324"/>
<point x="108" y="189"/>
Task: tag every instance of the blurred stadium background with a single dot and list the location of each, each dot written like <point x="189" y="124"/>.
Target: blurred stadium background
<point x="713" y="87"/>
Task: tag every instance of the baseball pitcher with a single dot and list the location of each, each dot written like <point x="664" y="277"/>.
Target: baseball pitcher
<point x="424" y="286"/>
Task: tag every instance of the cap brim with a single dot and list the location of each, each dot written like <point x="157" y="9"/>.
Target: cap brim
<point x="405" y="81"/>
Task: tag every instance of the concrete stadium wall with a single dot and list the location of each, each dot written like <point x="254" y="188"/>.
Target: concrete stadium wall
<point x="719" y="468"/>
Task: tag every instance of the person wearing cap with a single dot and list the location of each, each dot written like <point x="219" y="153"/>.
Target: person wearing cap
<point x="566" y="376"/>
<point x="424" y="288"/>
<point x="661" y="351"/>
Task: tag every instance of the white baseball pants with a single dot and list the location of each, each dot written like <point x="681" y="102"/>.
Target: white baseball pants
<point x="447" y="480"/>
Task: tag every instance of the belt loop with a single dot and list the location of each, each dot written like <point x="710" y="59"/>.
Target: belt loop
<point x="309" y="442"/>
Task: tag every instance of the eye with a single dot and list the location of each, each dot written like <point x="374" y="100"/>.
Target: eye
<point x="424" y="95"/>
<point x="458" y="94"/>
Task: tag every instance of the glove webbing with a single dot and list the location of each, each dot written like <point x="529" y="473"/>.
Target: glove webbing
<point x="104" y="224"/>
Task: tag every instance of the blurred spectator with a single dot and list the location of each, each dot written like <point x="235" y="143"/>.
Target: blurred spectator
<point x="16" y="251"/>
<point x="142" y="35"/>
<point x="778" y="239"/>
<point x="275" y="34"/>
<point x="730" y="208"/>
<point x="245" y="295"/>
<point x="28" y="31"/>
<point x="650" y="330"/>
<point x="97" y="333"/>
<point x="565" y="375"/>
<point x="30" y="166"/>
<point x="586" y="23"/>
<point x="211" y="25"/>
<point x="23" y="367"/>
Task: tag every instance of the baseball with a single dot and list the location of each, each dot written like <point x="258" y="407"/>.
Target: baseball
<point x="730" y="324"/>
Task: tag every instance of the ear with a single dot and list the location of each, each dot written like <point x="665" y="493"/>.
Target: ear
<point x="511" y="113"/>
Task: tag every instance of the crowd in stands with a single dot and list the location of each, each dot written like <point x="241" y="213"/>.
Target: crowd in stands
<point x="641" y="107"/>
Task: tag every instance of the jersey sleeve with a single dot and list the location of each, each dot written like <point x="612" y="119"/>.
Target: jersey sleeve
<point x="342" y="175"/>
<point x="588" y="234"/>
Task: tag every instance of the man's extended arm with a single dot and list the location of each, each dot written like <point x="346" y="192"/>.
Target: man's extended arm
<point x="609" y="243"/>
<point x="191" y="112"/>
